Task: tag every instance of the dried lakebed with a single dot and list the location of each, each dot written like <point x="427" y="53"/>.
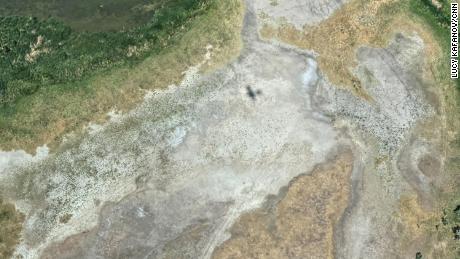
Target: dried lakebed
<point x="188" y="172"/>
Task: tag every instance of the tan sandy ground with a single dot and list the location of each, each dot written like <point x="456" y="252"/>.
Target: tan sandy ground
<point x="336" y="39"/>
<point x="10" y="228"/>
<point x="299" y="225"/>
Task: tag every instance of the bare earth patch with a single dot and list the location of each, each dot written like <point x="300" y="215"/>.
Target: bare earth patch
<point x="10" y="228"/>
<point x="299" y="223"/>
<point x="337" y="38"/>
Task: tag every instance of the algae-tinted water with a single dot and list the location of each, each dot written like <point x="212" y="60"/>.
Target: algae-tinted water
<point x="85" y="15"/>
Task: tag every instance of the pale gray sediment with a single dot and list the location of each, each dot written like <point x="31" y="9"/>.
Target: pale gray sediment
<point x="176" y="172"/>
<point x="203" y="152"/>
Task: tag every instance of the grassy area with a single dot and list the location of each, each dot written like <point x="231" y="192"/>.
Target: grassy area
<point x="38" y="53"/>
<point x="10" y="228"/>
<point x="438" y="20"/>
<point x="51" y="111"/>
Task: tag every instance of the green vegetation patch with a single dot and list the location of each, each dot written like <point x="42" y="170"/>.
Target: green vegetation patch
<point x="436" y="14"/>
<point x="10" y="228"/>
<point x="79" y="77"/>
<point x="438" y="18"/>
<point x="38" y="53"/>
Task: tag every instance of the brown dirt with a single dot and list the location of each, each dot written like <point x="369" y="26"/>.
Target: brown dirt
<point x="10" y="228"/>
<point x="422" y="231"/>
<point x="337" y="38"/>
<point x="429" y="165"/>
<point x="71" y="247"/>
<point x="300" y="223"/>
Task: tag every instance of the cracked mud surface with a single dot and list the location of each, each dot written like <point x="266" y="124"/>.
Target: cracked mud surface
<point x="264" y="158"/>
